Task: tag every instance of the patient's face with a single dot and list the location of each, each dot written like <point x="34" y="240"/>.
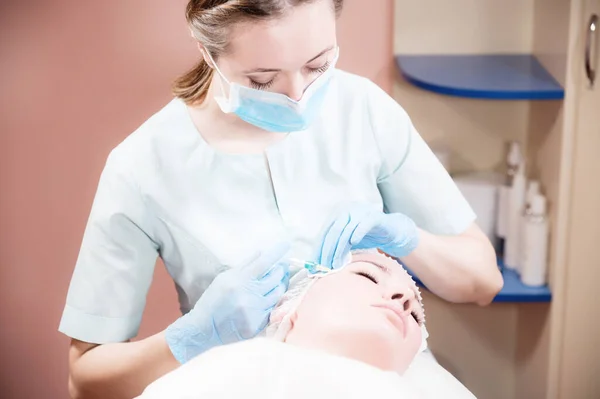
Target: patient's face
<point x="369" y="311"/>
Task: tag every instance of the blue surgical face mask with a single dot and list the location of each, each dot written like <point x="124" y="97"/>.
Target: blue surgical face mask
<point x="276" y="112"/>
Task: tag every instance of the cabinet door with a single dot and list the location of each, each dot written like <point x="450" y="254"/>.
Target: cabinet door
<point x="580" y="363"/>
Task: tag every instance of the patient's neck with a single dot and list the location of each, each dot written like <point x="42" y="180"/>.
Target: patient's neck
<point x="360" y="346"/>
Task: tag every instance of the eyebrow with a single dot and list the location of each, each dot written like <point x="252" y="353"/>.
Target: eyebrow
<point x="264" y="70"/>
<point x="380" y="266"/>
<point x="320" y="54"/>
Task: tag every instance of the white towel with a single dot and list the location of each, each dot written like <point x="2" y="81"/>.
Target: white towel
<point x="267" y="369"/>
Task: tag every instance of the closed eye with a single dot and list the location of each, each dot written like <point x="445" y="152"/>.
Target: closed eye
<point x="261" y="86"/>
<point x="417" y="318"/>
<point x="320" y="69"/>
<point x="368" y="276"/>
<point x="266" y="85"/>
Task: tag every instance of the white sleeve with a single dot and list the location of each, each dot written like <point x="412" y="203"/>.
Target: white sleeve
<point x="412" y="181"/>
<point x="114" y="270"/>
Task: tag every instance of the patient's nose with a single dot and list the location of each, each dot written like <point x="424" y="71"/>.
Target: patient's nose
<point x="404" y="297"/>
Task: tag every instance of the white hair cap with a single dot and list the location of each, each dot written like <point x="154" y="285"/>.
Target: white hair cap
<point x="280" y="320"/>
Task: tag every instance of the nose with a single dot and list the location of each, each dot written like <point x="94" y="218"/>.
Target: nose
<point x="404" y="297"/>
<point x="297" y="85"/>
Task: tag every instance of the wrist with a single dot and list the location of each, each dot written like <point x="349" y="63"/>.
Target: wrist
<point x="186" y="340"/>
<point x="407" y="236"/>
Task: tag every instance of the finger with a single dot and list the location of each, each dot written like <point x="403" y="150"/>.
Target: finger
<point x="357" y="215"/>
<point x="343" y="245"/>
<point x="331" y="240"/>
<point x="268" y="260"/>
<point x="377" y="235"/>
<point x="278" y="267"/>
<point x="273" y="297"/>
<point x="321" y="240"/>
<point x="275" y="277"/>
<point x="341" y="211"/>
<point x="286" y="280"/>
<point x="361" y="231"/>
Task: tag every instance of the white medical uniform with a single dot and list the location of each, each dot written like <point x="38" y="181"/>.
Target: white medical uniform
<point x="165" y="192"/>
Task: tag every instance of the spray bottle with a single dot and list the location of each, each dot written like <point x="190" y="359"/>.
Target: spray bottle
<point x="513" y="159"/>
<point x="516" y="205"/>
<point x="535" y="243"/>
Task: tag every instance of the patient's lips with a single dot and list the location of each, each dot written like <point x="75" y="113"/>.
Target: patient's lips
<point x="398" y="315"/>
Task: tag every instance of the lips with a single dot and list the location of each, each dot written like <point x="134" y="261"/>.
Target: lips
<point x="397" y="315"/>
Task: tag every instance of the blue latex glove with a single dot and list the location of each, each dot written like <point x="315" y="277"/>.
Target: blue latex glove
<point x="363" y="226"/>
<point x="235" y="307"/>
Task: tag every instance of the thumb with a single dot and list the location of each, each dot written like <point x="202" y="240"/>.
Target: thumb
<point x="268" y="258"/>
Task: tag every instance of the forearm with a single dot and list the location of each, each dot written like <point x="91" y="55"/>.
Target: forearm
<point x="457" y="268"/>
<point x="119" y="370"/>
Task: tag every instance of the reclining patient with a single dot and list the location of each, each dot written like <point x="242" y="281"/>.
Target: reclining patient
<point x="356" y="332"/>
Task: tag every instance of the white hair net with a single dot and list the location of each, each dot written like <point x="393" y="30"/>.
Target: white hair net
<point x="279" y="322"/>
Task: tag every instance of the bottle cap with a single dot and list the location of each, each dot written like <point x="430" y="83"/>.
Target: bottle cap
<point x="514" y="153"/>
<point x="538" y="204"/>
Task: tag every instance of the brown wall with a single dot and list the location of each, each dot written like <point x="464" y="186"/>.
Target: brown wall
<point x="76" y="77"/>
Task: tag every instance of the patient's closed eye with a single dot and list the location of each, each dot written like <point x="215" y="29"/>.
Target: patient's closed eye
<point x="417" y="317"/>
<point x="368" y="276"/>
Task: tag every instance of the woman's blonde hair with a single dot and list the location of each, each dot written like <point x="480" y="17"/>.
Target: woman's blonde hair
<point x="210" y="22"/>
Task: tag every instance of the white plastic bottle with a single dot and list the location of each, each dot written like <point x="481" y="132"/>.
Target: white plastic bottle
<point x="533" y="188"/>
<point x="513" y="159"/>
<point x="516" y="205"/>
<point x="535" y="242"/>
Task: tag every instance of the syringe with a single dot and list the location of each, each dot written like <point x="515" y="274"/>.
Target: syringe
<point x="312" y="267"/>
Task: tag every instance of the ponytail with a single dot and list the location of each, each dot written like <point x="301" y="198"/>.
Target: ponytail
<point x="192" y="87"/>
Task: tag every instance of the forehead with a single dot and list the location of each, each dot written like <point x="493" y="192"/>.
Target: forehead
<point x="288" y="41"/>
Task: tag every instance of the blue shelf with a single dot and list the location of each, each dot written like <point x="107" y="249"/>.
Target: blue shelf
<point x="497" y="77"/>
<point x="514" y="290"/>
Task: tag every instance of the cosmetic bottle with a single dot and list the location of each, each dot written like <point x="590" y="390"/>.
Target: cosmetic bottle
<point x="535" y="243"/>
<point x="513" y="159"/>
<point x="516" y="205"/>
<point x="533" y="188"/>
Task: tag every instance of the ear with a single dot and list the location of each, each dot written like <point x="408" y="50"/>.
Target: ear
<point x="205" y="55"/>
<point x="202" y="50"/>
<point x="293" y="318"/>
